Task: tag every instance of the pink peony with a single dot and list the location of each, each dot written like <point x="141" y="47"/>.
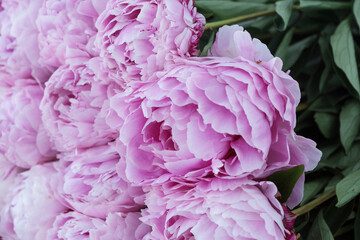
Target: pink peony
<point x="217" y="209"/>
<point x="31" y="208"/>
<point x="19" y="40"/>
<point x="118" y="226"/>
<point x="211" y="116"/>
<point x="23" y="139"/>
<point x="73" y="99"/>
<point x="67" y="30"/>
<point x="89" y="183"/>
<point x="235" y="43"/>
<point x="215" y="116"/>
<point x="12" y="60"/>
<point x="136" y="36"/>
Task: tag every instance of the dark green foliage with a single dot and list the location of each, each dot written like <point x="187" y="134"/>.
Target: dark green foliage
<point x="320" y="230"/>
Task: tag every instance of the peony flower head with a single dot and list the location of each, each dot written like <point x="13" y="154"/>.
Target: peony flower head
<point x="136" y="36"/>
<point x="13" y="63"/>
<point x="73" y="99"/>
<point x="215" y="209"/>
<point x="212" y="116"/>
<point x="74" y="225"/>
<point x="89" y="183"/>
<point x="19" y="40"/>
<point x="31" y="207"/>
<point x="236" y="43"/>
<point x="23" y="139"/>
<point x="67" y="30"/>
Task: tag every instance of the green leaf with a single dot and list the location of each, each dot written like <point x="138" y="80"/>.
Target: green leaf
<point x="285" y="180"/>
<point x="323" y="5"/>
<point x="348" y="188"/>
<point x="320" y="230"/>
<point x="284" y="9"/>
<point x="350" y="161"/>
<point x="325" y="104"/>
<point x="312" y="86"/>
<point x="342" y="44"/>
<point x="325" y="48"/>
<point x="312" y="188"/>
<point x="356" y="11"/>
<point x="327" y="123"/>
<point x="332" y="183"/>
<point x="329" y="149"/>
<point x="295" y="50"/>
<point x="226" y="9"/>
<point x="349" y="123"/>
<point x="324" y="76"/>
<point x="281" y="50"/>
<point x="333" y="161"/>
<point x="336" y="217"/>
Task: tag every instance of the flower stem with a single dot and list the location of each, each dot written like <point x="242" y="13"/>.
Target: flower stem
<point x="316" y="202"/>
<point x="243" y="18"/>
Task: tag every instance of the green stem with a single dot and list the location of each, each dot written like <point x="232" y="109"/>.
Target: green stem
<point x="243" y="18"/>
<point x="316" y="202"/>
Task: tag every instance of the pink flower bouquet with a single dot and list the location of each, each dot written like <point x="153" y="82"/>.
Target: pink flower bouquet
<point x="112" y="126"/>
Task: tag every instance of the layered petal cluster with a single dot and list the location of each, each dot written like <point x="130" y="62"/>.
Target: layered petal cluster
<point x="73" y="225"/>
<point x="136" y="36"/>
<point x="215" y="209"/>
<point x="215" y="116"/>
<point x="19" y="44"/>
<point x="23" y="139"/>
<point x="236" y="116"/>
<point x="88" y="182"/>
<point x="32" y="207"/>
<point x="233" y="42"/>
<point x="71" y="106"/>
<point x="9" y="55"/>
<point x="67" y="30"/>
